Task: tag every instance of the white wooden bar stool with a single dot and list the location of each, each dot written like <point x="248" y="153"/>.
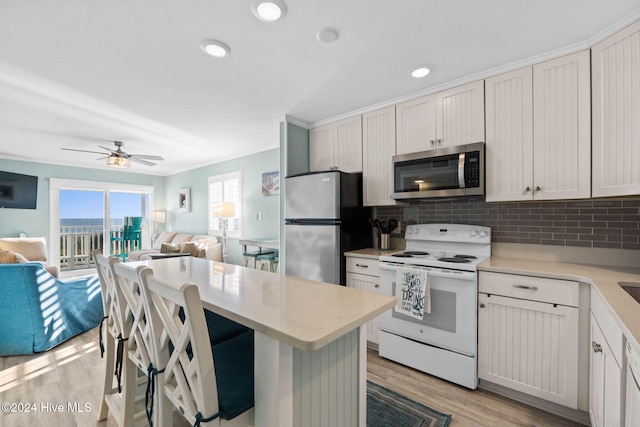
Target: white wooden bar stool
<point x="141" y="349"/>
<point x="219" y="396"/>
<point x="117" y="397"/>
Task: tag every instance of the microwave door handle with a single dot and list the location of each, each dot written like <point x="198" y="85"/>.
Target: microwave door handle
<point x="461" y="180"/>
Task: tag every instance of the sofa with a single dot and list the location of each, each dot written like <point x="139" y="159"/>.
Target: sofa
<point x="197" y="245"/>
<point x="23" y="249"/>
<point x="39" y="311"/>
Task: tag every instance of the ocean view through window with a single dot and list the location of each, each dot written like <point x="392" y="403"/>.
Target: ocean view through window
<point x="90" y="220"/>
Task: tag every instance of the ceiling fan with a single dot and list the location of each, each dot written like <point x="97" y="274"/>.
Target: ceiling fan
<point x="119" y="158"/>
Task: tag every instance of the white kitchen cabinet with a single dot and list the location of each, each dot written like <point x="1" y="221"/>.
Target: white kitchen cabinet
<point x="509" y="126"/>
<point x="607" y="367"/>
<point x="528" y="335"/>
<point x="363" y="274"/>
<point x="337" y="146"/>
<point x="416" y="125"/>
<point x="379" y="147"/>
<point x="632" y="401"/>
<point x="444" y="119"/>
<point x="538" y="132"/>
<point x="616" y="103"/>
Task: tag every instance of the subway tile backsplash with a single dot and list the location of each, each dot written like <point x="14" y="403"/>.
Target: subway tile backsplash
<point x="597" y="223"/>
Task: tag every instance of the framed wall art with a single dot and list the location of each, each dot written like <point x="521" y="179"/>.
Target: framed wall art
<point x="271" y="183"/>
<point x="184" y="200"/>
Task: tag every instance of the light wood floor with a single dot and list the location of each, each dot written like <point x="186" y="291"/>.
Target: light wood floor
<point x="72" y="373"/>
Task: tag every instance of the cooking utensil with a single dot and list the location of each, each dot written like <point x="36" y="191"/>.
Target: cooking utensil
<point x="393" y="224"/>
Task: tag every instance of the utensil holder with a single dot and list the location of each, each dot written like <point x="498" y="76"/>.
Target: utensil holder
<point x="384" y="241"/>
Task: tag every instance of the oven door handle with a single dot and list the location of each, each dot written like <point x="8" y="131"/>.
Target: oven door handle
<point x="433" y="272"/>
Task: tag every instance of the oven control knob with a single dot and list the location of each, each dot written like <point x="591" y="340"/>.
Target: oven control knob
<point x="416" y="231"/>
<point x="474" y="233"/>
<point x="483" y="233"/>
<point x="409" y="230"/>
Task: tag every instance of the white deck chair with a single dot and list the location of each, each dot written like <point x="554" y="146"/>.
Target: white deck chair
<point x="208" y="385"/>
<point x="141" y="352"/>
<point x="116" y="397"/>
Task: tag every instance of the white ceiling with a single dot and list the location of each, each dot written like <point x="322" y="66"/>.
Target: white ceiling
<point x="82" y="73"/>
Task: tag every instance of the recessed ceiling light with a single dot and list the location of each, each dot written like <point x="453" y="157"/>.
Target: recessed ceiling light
<point x="269" y="11"/>
<point x="327" y="35"/>
<point x="215" y="48"/>
<point x="419" y="73"/>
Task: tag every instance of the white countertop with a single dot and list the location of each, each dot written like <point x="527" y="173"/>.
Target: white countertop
<point x="302" y="313"/>
<point x="371" y="252"/>
<point x="605" y="279"/>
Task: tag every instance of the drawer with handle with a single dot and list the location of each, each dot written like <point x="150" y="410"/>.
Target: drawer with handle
<point x="555" y="291"/>
<point x="367" y="266"/>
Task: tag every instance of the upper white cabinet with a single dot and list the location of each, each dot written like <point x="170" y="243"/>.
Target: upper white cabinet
<point x="447" y="118"/>
<point x="562" y="128"/>
<point x="337" y="146"/>
<point x="538" y="131"/>
<point x="509" y="145"/>
<point x="379" y="147"/>
<point x="416" y="125"/>
<point x="616" y="109"/>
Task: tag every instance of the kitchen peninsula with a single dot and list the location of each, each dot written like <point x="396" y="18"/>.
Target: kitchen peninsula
<point x="310" y="348"/>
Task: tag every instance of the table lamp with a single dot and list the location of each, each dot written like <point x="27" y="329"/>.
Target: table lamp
<point x="224" y="210"/>
<point x="157" y="217"/>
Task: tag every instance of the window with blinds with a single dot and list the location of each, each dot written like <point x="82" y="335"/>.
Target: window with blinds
<point x="225" y="188"/>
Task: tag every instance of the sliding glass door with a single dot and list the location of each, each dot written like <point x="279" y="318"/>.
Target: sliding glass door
<point x="81" y="227"/>
<point x="87" y="215"/>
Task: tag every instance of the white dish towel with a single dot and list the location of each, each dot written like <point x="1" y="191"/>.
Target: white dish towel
<point x="413" y="294"/>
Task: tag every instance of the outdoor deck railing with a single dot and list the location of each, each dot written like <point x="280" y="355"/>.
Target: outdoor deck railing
<point x="77" y="243"/>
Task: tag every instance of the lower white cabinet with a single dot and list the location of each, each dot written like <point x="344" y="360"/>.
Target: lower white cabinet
<point x="362" y="273"/>
<point x="632" y="402"/>
<point x="607" y="368"/>
<point x="528" y="335"/>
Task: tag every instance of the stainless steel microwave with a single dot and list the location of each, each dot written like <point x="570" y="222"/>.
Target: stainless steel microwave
<point x="445" y="172"/>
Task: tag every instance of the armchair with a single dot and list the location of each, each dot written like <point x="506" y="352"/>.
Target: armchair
<point x="39" y="311"/>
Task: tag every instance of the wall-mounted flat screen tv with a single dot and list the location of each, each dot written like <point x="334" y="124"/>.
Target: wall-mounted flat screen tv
<point x="18" y="191"/>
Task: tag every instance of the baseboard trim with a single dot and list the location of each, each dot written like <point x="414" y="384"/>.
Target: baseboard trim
<point x="578" y="416"/>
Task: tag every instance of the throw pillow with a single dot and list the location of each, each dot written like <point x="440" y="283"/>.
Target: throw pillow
<point x="10" y="257"/>
<point x="168" y="248"/>
<point x="190" y="248"/>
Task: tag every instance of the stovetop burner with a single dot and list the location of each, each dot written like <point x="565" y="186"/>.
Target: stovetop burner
<point x="455" y="259"/>
<point x="410" y="254"/>
<point x="465" y="256"/>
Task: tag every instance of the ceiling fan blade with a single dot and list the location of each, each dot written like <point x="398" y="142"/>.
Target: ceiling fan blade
<point x="83" y="151"/>
<point x="145" y="156"/>
<point x="109" y="149"/>
<point x="144" y="162"/>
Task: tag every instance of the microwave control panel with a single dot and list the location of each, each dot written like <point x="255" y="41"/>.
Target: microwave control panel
<point x="472" y="170"/>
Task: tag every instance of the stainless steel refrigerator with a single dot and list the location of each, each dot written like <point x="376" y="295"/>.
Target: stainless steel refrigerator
<point x="324" y="218"/>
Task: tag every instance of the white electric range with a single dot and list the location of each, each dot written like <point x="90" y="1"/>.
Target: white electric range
<point x="444" y="342"/>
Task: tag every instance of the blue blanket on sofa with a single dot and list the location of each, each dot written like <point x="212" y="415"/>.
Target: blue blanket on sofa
<point x="39" y="311"/>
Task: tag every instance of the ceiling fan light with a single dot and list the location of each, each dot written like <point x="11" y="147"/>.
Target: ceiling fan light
<point x="118" y="162"/>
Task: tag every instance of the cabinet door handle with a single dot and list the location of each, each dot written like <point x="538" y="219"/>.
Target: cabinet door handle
<point x="531" y="288"/>
<point x="362" y="265"/>
<point x="376" y="286"/>
<point x="481" y="305"/>
<point x="597" y="348"/>
<point x="438" y="141"/>
<point x="526" y="190"/>
<point x="538" y="188"/>
<point x="432" y="141"/>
